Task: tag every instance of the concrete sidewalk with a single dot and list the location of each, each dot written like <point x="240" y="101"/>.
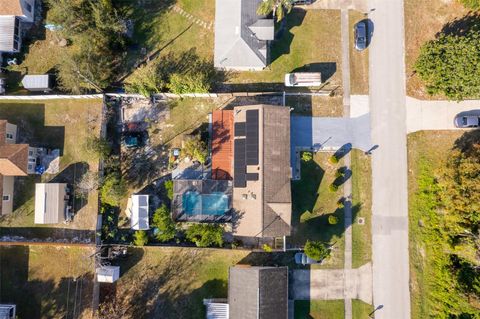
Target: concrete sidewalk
<point x="330" y="284"/>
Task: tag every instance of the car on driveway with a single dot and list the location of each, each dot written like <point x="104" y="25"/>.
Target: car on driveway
<point x="303" y="259"/>
<point x="360" y="35"/>
<point x="467" y="121"/>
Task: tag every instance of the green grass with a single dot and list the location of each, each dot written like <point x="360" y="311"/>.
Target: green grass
<point x="63" y="124"/>
<point x="39" y="280"/>
<point x="427" y="152"/>
<point x="362" y="208"/>
<point x="159" y="281"/>
<point x="360" y="309"/>
<point x="312" y="38"/>
<point x="316" y="309"/>
<point x="313" y="202"/>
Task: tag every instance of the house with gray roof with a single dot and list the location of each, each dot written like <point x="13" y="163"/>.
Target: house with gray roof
<point x="253" y="293"/>
<point x="242" y="37"/>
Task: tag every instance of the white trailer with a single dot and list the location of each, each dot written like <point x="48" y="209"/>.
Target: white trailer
<point x="303" y="79"/>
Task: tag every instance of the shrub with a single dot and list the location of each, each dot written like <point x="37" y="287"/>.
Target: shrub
<point x="196" y="149"/>
<point x="332" y="220"/>
<point x="333" y="159"/>
<point x="162" y="220"/>
<point x="266" y="248"/>
<point x="98" y="146"/>
<point x="316" y="250"/>
<point x="169" y="189"/>
<point x="140" y="238"/>
<point x="307" y="156"/>
<point x="339" y="173"/>
<point x="471" y="4"/>
<point x="341" y="203"/>
<point x="113" y="190"/>
<point x="333" y="188"/>
<point x="205" y="235"/>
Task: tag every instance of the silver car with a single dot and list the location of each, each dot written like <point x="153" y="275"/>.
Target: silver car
<point x="360" y="35"/>
<point x="303" y="259"/>
<point x="466" y="121"/>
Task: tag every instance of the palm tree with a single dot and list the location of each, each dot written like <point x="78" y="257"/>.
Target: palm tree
<point x="278" y="7"/>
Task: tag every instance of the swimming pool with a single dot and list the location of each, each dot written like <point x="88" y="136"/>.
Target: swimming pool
<point x="194" y="203"/>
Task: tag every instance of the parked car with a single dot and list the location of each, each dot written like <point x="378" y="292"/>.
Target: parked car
<point x="303" y="259"/>
<point x="304" y="79"/>
<point x="466" y="121"/>
<point x="360" y="32"/>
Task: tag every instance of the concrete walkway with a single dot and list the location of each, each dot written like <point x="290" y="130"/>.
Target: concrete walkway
<point x="330" y="284"/>
<point x="436" y="115"/>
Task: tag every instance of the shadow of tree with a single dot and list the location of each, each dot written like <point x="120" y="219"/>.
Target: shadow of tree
<point x="466" y="143"/>
<point x="461" y="26"/>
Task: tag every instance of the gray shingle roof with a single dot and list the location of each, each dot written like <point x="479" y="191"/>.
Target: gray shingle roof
<point x="240" y="35"/>
<point x="258" y="292"/>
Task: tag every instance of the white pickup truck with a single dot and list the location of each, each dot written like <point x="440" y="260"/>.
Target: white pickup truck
<point x="303" y="79"/>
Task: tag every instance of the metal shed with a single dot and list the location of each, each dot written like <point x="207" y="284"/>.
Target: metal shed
<point x="40" y="83"/>
<point x="50" y="203"/>
<point x="139" y="218"/>
<point x="108" y="274"/>
<point x="7" y="311"/>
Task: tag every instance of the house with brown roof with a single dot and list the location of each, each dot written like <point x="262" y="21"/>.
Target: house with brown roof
<point x="15" y="160"/>
<point x="12" y="13"/>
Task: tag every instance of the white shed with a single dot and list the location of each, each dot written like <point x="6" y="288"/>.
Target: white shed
<point x="139" y="218"/>
<point x="40" y="83"/>
<point x="7" y="311"/>
<point x="108" y="273"/>
<point x="51" y="201"/>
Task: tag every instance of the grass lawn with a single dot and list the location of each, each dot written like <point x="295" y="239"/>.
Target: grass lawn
<point x="319" y="309"/>
<point x="40" y="281"/>
<point x="172" y="282"/>
<point x="324" y="106"/>
<point x="358" y="59"/>
<point x="362" y="208"/>
<point x="360" y="309"/>
<point x="427" y="151"/>
<point x="311" y="42"/>
<point x="423" y="19"/>
<point x="63" y="124"/>
<point x="313" y="203"/>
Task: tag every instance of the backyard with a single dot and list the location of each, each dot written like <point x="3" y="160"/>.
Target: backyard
<point x="423" y="20"/>
<point x="47" y="281"/>
<point x="313" y="203"/>
<point x="55" y="124"/>
<point x="159" y="281"/>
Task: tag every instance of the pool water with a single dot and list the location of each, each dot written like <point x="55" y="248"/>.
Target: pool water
<point x="194" y="203"/>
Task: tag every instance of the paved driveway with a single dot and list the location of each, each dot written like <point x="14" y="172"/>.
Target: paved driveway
<point x="436" y="115"/>
<point x="389" y="161"/>
<point x="328" y="284"/>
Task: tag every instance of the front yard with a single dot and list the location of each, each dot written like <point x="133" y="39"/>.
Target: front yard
<point x="46" y="281"/>
<point x="172" y="283"/>
<point x="56" y="124"/>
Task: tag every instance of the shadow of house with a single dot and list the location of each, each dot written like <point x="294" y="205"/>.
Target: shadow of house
<point x="305" y="191"/>
<point x="284" y="38"/>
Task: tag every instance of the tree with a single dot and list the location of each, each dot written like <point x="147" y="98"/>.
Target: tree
<point x="162" y="220"/>
<point x="97" y="145"/>
<point x="88" y="182"/>
<point x="450" y="65"/>
<point x="278" y="7"/>
<point x="196" y="149"/>
<point x="205" y="235"/>
<point x="140" y="238"/>
<point x="169" y="188"/>
<point x="181" y="83"/>
<point x="307" y="156"/>
<point x="471" y="4"/>
<point x="146" y="80"/>
<point x="316" y="250"/>
<point x="113" y="190"/>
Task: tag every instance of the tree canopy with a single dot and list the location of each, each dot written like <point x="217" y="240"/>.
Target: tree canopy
<point x="164" y="223"/>
<point x="471" y="4"/>
<point x="279" y="8"/>
<point x="205" y="235"/>
<point x="450" y="64"/>
<point x="316" y="250"/>
<point x="113" y="190"/>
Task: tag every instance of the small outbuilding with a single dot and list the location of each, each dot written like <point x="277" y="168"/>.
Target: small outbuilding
<point x="7" y="311"/>
<point x="51" y="203"/>
<point x="38" y="83"/>
<point x="108" y="274"/>
<point x="139" y="212"/>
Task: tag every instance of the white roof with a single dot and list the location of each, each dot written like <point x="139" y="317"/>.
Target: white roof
<point x="108" y="273"/>
<point x="50" y="203"/>
<point x="217" y="310"/>
<point x="36" y="82"/>
<point x="7" y="27"/>
<point x="139" y="218"/>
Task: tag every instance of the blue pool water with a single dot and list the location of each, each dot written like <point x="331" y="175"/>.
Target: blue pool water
<point x="208" y="204"/>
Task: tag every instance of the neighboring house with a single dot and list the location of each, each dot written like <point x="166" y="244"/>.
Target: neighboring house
<point x="253" y="293"/>
<point x="51" y="203"/>
<point x="15" y="160"/>
<point x="12" y="12"/>
<point x="250" y="174"/>
<point x="38" y="83"/>
<point x="242" y="38"/>
<point x="7" y="311"/>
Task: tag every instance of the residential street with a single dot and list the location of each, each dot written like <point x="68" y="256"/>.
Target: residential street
<point x="389" y="161"/>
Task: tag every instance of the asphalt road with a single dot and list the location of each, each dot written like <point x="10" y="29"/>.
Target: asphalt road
<point x="389" y="161"/>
